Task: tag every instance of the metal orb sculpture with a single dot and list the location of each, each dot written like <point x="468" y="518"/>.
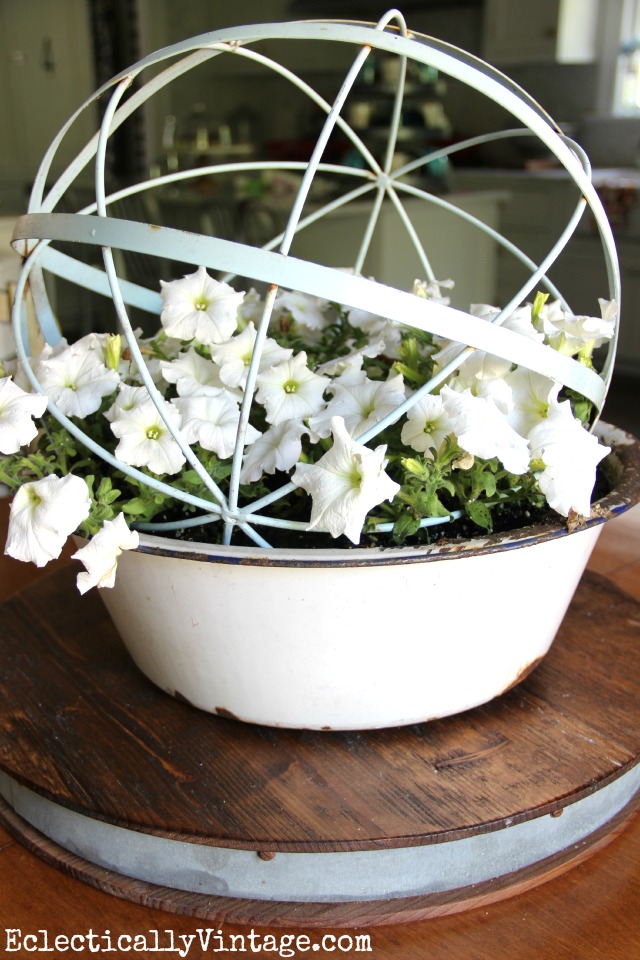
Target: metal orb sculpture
<point x="272" y="264"/>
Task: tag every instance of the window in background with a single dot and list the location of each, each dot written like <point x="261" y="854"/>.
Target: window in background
<point x="627" y="93"/>
<point x="619" y="84"/>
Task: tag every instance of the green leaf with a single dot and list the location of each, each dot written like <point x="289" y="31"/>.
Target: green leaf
<point x="489" y="483"/>
<point x="191" y="478"/>
<point x="480" y="514"/>
<point x="429" y="505"/>
<point x="405" y="526"/>
<point x="136" y="507"/>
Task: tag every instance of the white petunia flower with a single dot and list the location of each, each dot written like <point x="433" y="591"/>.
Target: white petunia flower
<point x="497" y="390"/>
<point x="378" y="329"/>
<point x="145" y="440"/>
<point x="370" y="323"/>
<point x="234" y="356"/>
<point x="43" y="514"/>
<point x="101" y="345"/>
<point x="427" y="425"/>
<point x="483" y="430"/>
<point x="532" y="395"/>
<point x="432" y="290"/>
<point x="361" y="405"/>
<point x="571" y="334"/>
<point x="290" y="391"/>
<point x="213" y="423"/>
<point x="345" y="484"/>
<point x="348" y="368"/>
<point x="76" y="380"/>
<point x="279" y="448"/>
<point x="100" y="556"/>
<point x="307" y="311"/>
<point x="570" y="455"/>
<point x="549" y="317"/>
<point x="193" y="375"/>
<point x="107" y="348"/>
<point x="127" y="398"/>
<point x="199" y="307"/>
<point x="17" y="410"/>
<point x="16" y="369"/>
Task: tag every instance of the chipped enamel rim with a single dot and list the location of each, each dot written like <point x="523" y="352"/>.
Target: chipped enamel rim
<point x="623" y="463"/>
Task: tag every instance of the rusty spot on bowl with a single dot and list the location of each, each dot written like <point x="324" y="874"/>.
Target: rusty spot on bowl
<point x="526" y="670"/>
<point x="223" y="712"/>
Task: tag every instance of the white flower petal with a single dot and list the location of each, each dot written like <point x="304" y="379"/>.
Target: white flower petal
<point x="199" y="307"/>
<point x="483" y="430"/>
<point x="213" y="423"/>
<point x="128" y="397"/>
<point x="308" y="311"/>
<point x="17" y="409"/>
<point x="570" y="455"/>
<point x="432" y="290"/>
<point x="348" y="368"/>
<point x="569" y="334"/>
<point x="427" y="425"/>
<point x="531" y="395"/>
<point x="100" y="555"/>
<point x="234" y="356"/>
<point x="290" y="391"/>
<point x="145" y="439"/>
<point x="345" y="484"/>
<point x="194" y="375"/>
<point x="43" y="515"/>
<point x="361" y="405"/>
<point x="279" y="448"/>
<point x="76" y="381"/>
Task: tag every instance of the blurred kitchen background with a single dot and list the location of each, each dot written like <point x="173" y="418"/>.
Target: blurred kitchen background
<point x="579" y="58"/>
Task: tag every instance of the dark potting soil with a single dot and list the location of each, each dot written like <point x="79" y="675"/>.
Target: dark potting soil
<point x="506" y="517"/>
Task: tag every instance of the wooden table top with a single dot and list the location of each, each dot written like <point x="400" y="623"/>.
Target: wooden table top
<point x="590" y="912"/>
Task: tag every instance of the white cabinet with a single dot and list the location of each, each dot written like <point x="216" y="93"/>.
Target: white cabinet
<point x="45" y="73"/>
<point x="456" y="250"/>
<point x="519" y="31"/>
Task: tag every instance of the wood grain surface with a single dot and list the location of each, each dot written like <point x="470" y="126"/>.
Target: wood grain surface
<point x="589" y="913"/>
<point x="81" y="726"/>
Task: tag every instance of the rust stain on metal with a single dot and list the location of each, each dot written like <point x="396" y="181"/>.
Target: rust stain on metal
<point x="223" y="712"/>
<point x="526" y="670"/>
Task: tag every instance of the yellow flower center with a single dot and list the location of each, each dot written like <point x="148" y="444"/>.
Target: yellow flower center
<point x="34" y="498"/>
<point x="154" y="433"/>
<point x="290" y="386"/>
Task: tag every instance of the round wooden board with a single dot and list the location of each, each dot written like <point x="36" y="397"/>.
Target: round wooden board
<point x="83" y="730"/>
<point x="236" y="910"/>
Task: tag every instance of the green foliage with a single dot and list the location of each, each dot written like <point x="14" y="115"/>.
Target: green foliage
<point x="435" y="485"/>
<point x="415" y="363"/>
